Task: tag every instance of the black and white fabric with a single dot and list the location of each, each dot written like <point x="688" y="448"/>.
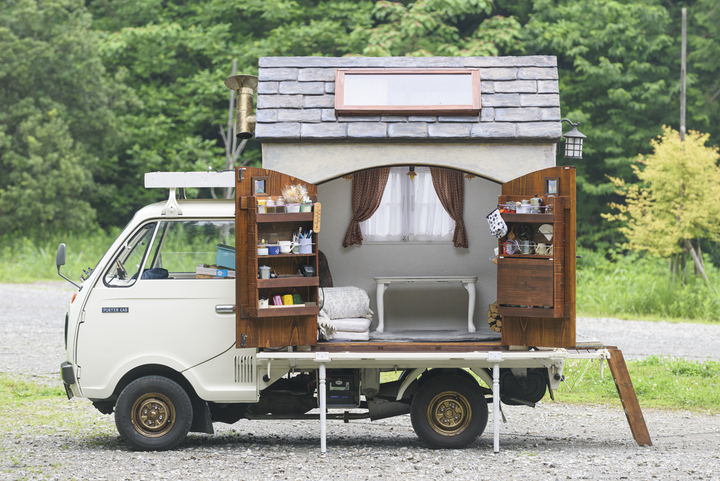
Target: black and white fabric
<point x="498" y="227"/>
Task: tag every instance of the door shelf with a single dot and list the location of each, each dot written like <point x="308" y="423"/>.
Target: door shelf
<point x="273" y="311"/>
<point x="275" y="256"/>
<point x="529" y="218"/>
<point x="288" y="282"/>
<point x="524" y="256"/>
<point x="526" y="312"/>
<point x="286" y="217"/>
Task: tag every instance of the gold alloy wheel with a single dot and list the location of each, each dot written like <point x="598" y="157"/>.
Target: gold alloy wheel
<point x="152" y="415"/>
<point x="449" y="413"/>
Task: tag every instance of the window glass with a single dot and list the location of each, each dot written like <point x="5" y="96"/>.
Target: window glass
<point x="411" y="89"/>
<point x="181" y="247"/>
<point x="410" y="210"/>
<point x="124" y="270"/>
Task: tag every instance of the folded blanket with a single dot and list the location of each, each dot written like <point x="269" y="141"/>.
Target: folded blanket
<point x="350" y="336"/>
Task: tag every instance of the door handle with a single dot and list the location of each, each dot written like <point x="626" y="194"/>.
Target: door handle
<point x="225" y="309"/>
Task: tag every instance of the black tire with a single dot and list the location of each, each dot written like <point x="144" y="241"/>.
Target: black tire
<point x="153" y="413"/>
<point x="449" y="411"/>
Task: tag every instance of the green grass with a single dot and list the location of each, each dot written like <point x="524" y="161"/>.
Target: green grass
<point x="660" y="382"/>
<point x="634" y="287"/>
<point x="14" y="389"/>
<point x="24" y="260"/>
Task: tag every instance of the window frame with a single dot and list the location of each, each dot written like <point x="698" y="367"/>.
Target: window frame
<point x="407" y="210"/>
<point x="465" y="109"/>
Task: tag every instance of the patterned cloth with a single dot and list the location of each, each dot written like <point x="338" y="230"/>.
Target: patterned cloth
<point x="341" y="303"/>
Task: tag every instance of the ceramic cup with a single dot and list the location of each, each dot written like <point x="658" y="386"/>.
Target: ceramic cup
<point x="527" y="247"/>
<point x="286" y="247"/>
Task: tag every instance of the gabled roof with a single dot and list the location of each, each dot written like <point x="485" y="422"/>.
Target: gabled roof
<point x="520" y="102"/>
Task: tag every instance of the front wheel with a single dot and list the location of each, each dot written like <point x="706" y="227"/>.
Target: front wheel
<point x="153" y="413"/>
<point x="449" y="412"/>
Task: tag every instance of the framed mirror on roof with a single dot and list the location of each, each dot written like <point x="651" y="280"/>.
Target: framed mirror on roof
<point x="407" y="91"/>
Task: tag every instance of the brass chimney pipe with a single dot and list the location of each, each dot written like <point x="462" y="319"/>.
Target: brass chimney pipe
<point x="244" y="86"/>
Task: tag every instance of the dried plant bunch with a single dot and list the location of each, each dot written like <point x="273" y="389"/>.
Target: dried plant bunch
<point x="294" y="194"/>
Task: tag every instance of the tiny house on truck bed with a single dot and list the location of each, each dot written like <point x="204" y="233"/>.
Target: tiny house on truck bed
<point x="361" y="246"/>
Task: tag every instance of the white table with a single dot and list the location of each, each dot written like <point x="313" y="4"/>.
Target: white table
<point x="468" y="282"/>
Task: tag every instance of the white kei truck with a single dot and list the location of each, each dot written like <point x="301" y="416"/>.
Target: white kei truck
<point x="207" y="311"/>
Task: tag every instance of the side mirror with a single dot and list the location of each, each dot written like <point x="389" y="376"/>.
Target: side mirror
<point x="60" y="261"/>
<point x="60" y="257"/>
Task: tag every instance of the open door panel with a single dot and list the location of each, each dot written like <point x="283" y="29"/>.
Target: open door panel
<point x="536" y="286"/>
<point x="291" y="323"/>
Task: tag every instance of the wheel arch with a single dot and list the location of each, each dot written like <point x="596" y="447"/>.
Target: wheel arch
<point x="202" y="421"/>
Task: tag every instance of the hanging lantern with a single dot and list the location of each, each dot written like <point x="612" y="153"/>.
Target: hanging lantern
<point x="573" y="141"/>
<point x="412" y="173"/>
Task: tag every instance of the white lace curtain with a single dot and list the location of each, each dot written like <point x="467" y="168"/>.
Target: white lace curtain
<point x="409" y="210"/>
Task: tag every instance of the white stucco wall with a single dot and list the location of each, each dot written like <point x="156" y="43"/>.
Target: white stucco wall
<point x="410" y="306"/>
<point x="319" y="162"/>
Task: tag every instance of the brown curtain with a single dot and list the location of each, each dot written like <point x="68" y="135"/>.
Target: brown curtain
<point x="367" y="191"/>
<point x="451" y="191"/>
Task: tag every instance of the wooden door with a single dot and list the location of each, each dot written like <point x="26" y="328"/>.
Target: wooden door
<point x="529" y="327"/>
<point x="272" y="326"/>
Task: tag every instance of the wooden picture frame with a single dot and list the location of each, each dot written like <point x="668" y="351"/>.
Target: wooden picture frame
<point x="472" y="108"/>
<point x="551" y="185"/>
<point x="259" y="186"/>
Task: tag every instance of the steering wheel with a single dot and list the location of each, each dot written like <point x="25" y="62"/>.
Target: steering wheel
<point x="122" y="273"/>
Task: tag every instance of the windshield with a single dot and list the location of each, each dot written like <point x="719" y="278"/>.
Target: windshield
<point x="123" y="271"/>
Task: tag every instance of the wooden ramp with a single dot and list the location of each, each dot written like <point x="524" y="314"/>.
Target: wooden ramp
<point x="626" y="391"/>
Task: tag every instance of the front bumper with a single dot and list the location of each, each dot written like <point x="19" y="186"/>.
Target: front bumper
<point x="68" y="378"/>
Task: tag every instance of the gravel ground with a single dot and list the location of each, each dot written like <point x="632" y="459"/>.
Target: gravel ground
<point x="554" y="441"/>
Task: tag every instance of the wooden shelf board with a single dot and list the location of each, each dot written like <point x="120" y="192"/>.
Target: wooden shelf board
<point x="288" y="282"/>
<point x="529" y="218"/>
<point x="284" y="311"/>
<point x="286" y="217"/>
<point x="526" y="312"/>
<point x="275" y="256"/>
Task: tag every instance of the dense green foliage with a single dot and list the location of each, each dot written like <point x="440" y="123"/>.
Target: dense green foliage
<point x="635" y="287"/>
<point x="95" y="93"/>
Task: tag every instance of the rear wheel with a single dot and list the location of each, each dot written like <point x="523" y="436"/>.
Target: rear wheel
<point x="153" y="413"/>
<point x="449" y="412"/>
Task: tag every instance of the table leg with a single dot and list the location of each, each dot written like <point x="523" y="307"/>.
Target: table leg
<point x="470" y="287"/>
<point x="380" y="294"/>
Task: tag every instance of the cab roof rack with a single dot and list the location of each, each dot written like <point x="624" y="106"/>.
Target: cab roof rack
<point x="182" y="180"/>
<point x="169" y="180"/>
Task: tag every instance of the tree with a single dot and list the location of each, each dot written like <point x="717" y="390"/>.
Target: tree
<point x="59" y="122"/>
<point x="440" y="27"/>
<point x="676" y="202"/>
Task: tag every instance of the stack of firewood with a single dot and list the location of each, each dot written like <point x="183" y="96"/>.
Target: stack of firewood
<point x="494" y="318"/>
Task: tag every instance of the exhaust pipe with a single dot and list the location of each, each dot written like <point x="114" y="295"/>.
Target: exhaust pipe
<point x="244" y="86"/>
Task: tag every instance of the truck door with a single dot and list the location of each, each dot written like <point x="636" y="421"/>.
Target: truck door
<point x="536" y="266"/>
<point x="280" y="310"/>
<point x="150" y="306"/>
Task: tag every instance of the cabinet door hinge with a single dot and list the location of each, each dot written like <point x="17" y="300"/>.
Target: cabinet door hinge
<point x="243" y="340"/>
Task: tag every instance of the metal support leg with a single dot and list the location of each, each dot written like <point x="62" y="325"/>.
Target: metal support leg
<point x="496" y="407"/>
<point x="323" y="410"/>
<point x="470" y="288"/>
